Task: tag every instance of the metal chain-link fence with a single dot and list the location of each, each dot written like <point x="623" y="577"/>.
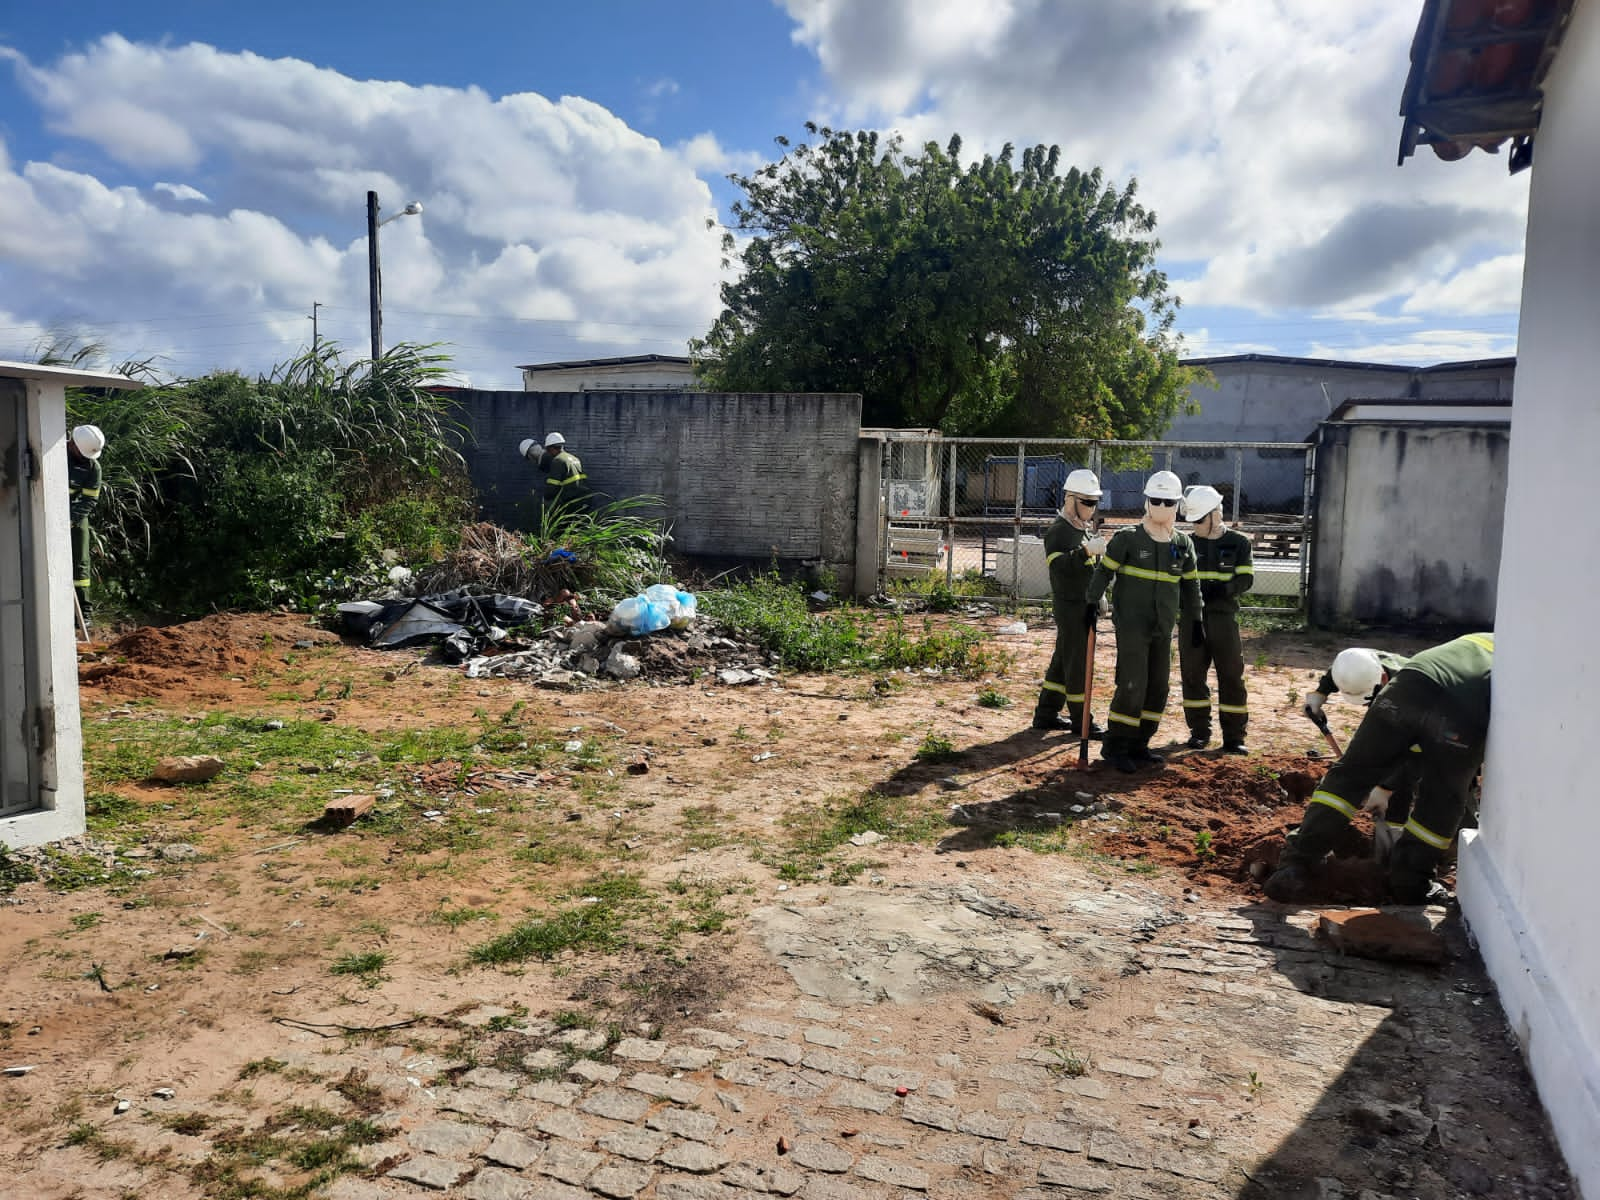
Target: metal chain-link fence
<point x="977" y="507"/>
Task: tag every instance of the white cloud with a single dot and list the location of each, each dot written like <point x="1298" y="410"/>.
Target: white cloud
<point x="1492" y="286"/>
<point x="1434" y="346"/>
<point x="707" y="155"/>
<point x="1262" y="132"/>
<point x="182" y="191"/>
<point x="552" y="211"/>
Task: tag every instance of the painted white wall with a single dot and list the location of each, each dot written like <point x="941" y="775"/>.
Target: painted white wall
<point x="623" y="377"/>
<point x="1526" y="879"/>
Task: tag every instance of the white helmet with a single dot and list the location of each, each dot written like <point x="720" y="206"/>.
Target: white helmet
<point x="1164" y="485"/>
<point x="1357" y="671"/>
<point x="1200" y="501"/>
<point x="1082" y="482"/>
<point x="89" y="440"/>
<point x="554" y="439"/>
<point x="527" y="444"/>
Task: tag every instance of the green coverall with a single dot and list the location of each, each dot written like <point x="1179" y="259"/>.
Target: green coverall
<point x="1154" y="580"/>
<point x="1438" y="701"/>
<point x="83" y="492"/>
<point x="1226" y="573"/>
<point x="1071" y="568"/>
<point x="563" y="481"/>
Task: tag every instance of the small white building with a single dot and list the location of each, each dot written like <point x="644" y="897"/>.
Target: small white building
<point x="41" y="746"/>
<point x="1530" y="73"/>
<point x="631" y="373"/>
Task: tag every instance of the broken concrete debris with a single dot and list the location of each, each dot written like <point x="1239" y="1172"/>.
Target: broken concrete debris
<point x="1370" y="933"/>
<point x="188" y="768"/>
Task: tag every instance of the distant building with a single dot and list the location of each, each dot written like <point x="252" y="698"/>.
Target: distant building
<point x="630" y="373"/>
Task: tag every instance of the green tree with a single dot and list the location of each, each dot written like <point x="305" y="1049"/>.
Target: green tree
<point x="993" y="298"/>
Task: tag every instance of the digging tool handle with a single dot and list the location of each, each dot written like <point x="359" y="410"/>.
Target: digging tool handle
<point x="77" y="608"/>
<point x="1333" y="742"/>
<point x="1086" y="722"/>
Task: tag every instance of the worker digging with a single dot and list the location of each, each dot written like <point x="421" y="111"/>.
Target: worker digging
<point x="1157" y="576"/>
<point x="1071" y="548"/>
<point x="1437" y="702"/>
<point x="1226" y="573"/>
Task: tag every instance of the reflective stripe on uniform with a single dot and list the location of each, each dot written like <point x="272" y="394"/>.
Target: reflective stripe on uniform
<point x="1423" y="834"/>
<point x="1141" y="573"/>
<point x="1216" y="576"/>
<point x="1150" y="716"/>
<point x="1484" y="641"/>
<point x="1110" y="563"/>
<point x="1339" y="805"/>
<point x="1074" y="698"/>
<point x="1050" y="558"/>
<point x="1242" y="710"/>
<point x="1197" y="704"/>
<point x="80" y="583"/>
<point x="1396" y="826"/>
<point x="1191" y="574"/>
<point x="1114" y="715"/>
<point x="86" y="493"/>
<point x="569" y="479"/>
<point x="1244" y="569"/>
<point x="1054" y="687"/>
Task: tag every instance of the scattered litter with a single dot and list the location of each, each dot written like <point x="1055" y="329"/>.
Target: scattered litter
<point x="121" y="1106"/>
<point x="867" y="838"/>
<point x="163" y="1093"/>
<point x="16" y="1070"/>
<point x="273" y="725"/>
<point x="433" y="814"/>
<point x="763" y="756"/>
<point x="1013" y="629"/>
<point x="575" y="745"/>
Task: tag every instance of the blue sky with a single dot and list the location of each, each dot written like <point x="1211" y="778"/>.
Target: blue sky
<point x="185" y="178"/>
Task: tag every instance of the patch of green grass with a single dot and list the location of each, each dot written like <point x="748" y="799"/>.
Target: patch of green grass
<point x="1202" y="845"/>
<point x="13" y="872"/>
<point x="455" y="918"/>
<point x="703" y="827"/>
<point x="88" y="920"/>
<point x="816" y="832"/>
<point x="368" y="965"/>
<point x="595" y="923"/>
<point x="989" y="698"/>
<point x="936" y="748"/>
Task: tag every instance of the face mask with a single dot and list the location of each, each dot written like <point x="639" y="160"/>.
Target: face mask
<point x="1159" y="520"/>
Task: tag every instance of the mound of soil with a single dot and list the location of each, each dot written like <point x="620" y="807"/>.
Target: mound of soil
<point x="151" y="659"/>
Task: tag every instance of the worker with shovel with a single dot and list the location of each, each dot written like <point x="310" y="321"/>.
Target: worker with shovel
<point x="1156" y="575"/>
<point x="1071" y="548"/>
<point x="1226" y="573"/>
<point x="1437" y="701"/>
<point x="84" y="476"/>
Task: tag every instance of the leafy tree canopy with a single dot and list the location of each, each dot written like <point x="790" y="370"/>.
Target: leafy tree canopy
<point x="997" y="298"/>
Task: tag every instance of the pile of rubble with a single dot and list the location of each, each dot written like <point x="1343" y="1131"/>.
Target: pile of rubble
<point x="588" y="651"/>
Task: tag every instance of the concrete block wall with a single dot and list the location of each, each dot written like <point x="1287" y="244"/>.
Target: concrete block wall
<point x="751" y="476"/>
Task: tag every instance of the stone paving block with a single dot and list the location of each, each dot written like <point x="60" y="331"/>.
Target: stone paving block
<point x="895" y="1174"/>
<point x="636" y="1144"/>
<point x="1027" y="1074"/>
<point x="593" y="1072"/>
<point x="1053" y="1136"/>
<point x="695" y="1157"/>
<point x="730" y="1101"/>
<point x="821" y="1035"/>
<point x="549" y="1091"/>
<point x="549" y="1189"/>
<point x="1017" y="1102"/>
<point x="1089" y="1089"/>
<point x="687" y="1187"/>
<point x="893" y="1077"/>
<point x="584" y="1041"/>
<point x="868" y="1099"/>
<point x="776" y="1180"/>
<point x="565" y="1126"/>
<point x="1127" y="1067"/>
<point x="743" y="1071"/>
<point x="926" y="1112"/>
<point x="1076" y="1176"/>
<point x="697" y="1126"/>
<point x="830" y="1063"/>
<point x="1005" y="1164"/>
<point x="831" y="1187"/>
<point x="985" y="1125"/>
<point x="783" y="1052"/>
<point x="1207" y="1168"/>
<point x="494" y="1183"/>
<point x="810" y="1010"/>
<point x="955" y="1152"/>
<point x="491" y="1077"/>
<point x="567" y="1163"/>
<point x="639" y="1050"/>
<point x="543" y="1059"/>
<point x="817" y="1155"/>
<point x="679" y="1091"/>
<point x="714" y="1038"/>
<point x="470" y="1102"/>
<point x="1108" y="1147"/>
<point x="449" y="1139"/>
<point x="762" y="1027"/>
<point x="373" y="1153"/>
<point x="431" y="1171"/>
<point x="795" y="1087"/>
<point x="620" y="1181"/>
<point x="688" y="1058"/>
<point x="513" y="1149"/>
<point x="615" y="1106"/>
<point x="940" y="1089"/>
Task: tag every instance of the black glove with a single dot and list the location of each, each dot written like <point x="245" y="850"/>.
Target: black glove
<point x="1091" y="614"/>
<point x="1214" y="591"/>
<point x="1197" y="634"/>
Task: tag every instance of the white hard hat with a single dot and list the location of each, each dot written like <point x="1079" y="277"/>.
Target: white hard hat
<point x="1164" y="485"/>
<point x="554" y="439"/>
<point x="89" y="440"/>
<point x="1357" y="671"/>
<point x="1082" y="482"/>
<point x="527" y="444"/>
<point x="1199" y="501"/>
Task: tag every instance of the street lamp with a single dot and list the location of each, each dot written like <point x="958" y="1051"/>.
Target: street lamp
<point x="374" y="273"/>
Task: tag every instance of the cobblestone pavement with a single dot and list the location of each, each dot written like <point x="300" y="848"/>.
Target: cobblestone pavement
<point x="1216" y="1053"/>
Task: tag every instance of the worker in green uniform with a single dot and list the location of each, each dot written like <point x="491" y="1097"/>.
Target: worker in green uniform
<point x="564" y="487"/>
<point x="1071" y="548"/>
<point x="84" y="475"/>
<point x="1156" y="576"/>
<point x="1226" y="573"/>
<point x="1438" y="701"/>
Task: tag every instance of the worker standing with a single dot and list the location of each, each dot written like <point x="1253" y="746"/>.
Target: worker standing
<point x="84" y="476"/>
<point x="1437" y="701"/>
<point x="564" y="487"/>
<point x="1156" y="576"/>
<point x="1226" y="573"/>
<point x="1071" y="547"/>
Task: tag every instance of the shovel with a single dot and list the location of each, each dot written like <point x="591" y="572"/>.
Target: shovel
<point x="1327" y="734"/>
<point x="1088" y="695"/>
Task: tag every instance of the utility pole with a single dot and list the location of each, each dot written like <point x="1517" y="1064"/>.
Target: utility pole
<point x="374" y="277"/>
<point x="315" y="304"/>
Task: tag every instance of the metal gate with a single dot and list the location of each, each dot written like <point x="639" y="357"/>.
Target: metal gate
<point x="966" y="507"/>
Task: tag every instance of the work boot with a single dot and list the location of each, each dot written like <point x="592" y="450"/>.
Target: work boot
<point x="1118" y="758"/>
<point x="1147" y="757"/>
<point x="1289" y="884"/>
<point x="1233" y="746"/>
<point x="1198" y="741"/>
<point x="1051" y="722"/>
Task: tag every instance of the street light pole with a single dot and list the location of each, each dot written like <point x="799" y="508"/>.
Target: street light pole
<point x="374" y="277"/>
